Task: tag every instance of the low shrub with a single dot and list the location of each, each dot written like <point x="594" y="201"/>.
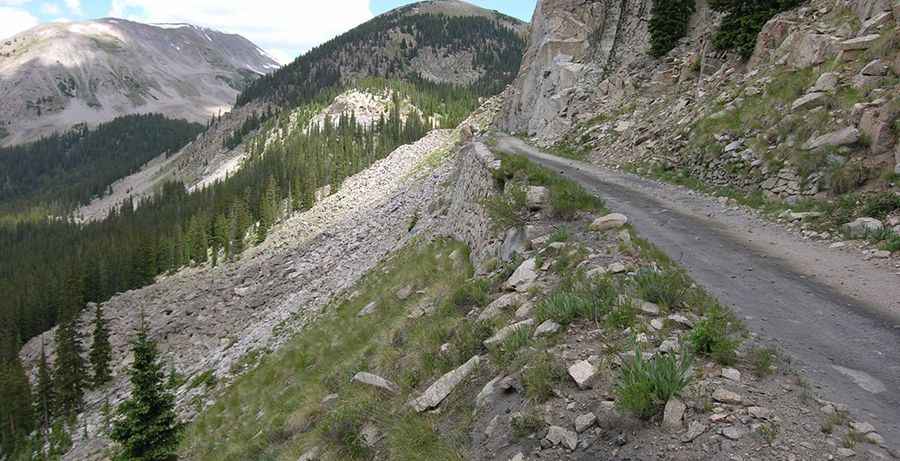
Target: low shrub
<point x="881" y="205"/>
<point x="472" y="293"/>
<point x="848" y="177"/>
<point x="564" y="307"/>
<point x="762" y="359"/>
<point x="623" y="315"/>
<point x="567" y="198"/>
<point x="508" y="350"/>
<point x="540" y="376"/>
<point x="508" y="210"/>
<point x="712" y="336"/>
<point x="342" y="430"/>
<point x="668" y="288"/>
<point x="645" y="386"/>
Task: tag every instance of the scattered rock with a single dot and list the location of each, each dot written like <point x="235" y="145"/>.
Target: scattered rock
<point x="845" y="453"/>
<point x="734" y="432"/>
<point x="537" y="197"/>
<point x="657" y="324"/>
<point x="731" y="374"/>
<point x="561" y="436"/>
<point x="760" y="412"/>
<point x="616" y="268"/>
<point x="312" y="454"/>
<point x="523" y="277"/>
<point x="514" y="243"/>
<point x="375" y="381"/>
<point x="404" y="293"/>
<point x="441" y="388"/>
<point x="610" y="221"/>
<point x="681" y="320"/>
<point x="843" y="137"/>
<point x="499" y="305"/>
<point x="695" y="429"/>
<point x="669" y="346"/>
<point x="725" y="396"/>
<point x="876" y="68"/>
<point x="810" y="101"/>
<point x="547" y="328"/>
<point x="583" y="374"/>
<point x="859" y="43"/>
<point x="519" y="457"/>
<point x="826" y="83"/>
<point x="368" y="310"/>
<point x="504" y="332"/>
<point x="370" y="434"/>
<point x="648" y="308"/>
<point x="862" y="428"/>
<point x="862" y="228"/>
<point x="585" y="422"/>
<point x="673" y="414"/>
<point x="487" y="393"/>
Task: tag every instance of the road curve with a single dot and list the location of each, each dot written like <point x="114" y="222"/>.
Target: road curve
<point x="835" y="314"/>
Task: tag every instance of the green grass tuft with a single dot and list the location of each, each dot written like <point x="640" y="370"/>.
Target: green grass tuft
<point x="645" y="386"/>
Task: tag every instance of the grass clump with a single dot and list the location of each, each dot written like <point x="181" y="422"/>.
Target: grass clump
<point x="848" y="177"/>
<point x="568" y="198"/>
<point x="712" y="336"/>
<point x="560" y="234"/>
<point x="881" y="205"/>
<point x="645" y="386"/>
<point x="762" y="359"/>
<point x="509" y="210"/>
<point x="206" y="379"/>
<point x="623" y="315"/>
<point x="540" y="376"/>
<point x="473" y="293"/>
<point x="564" y="307"/>
<point x="342" y="430"/>
<point x="667" y="287"/>
<point x="508" y="351"/>
<point x="525" y="424"/>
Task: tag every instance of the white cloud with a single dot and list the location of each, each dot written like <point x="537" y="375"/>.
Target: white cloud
<point x="50" y="9"/>
<point x="13" y="2"/>
<point x="15" y="20"/>
<point x="284" y="29"/>
<point x="74" y="6"/>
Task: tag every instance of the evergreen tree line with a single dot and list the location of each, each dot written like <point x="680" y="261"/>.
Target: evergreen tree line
<point x="744" y="20"/>
<point x="37" y="424"/>
<point x="51" y="264"/>
<point x="69" y="169"/>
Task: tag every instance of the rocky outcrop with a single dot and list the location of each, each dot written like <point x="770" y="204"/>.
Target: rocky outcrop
<point x="574" y="44"/>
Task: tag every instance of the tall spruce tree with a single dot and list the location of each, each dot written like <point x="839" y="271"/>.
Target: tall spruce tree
<point x="69" y="377"/>
<point x="147" y="428"/>
<point x="16" y="412"/>
<point x="101" y="351"/>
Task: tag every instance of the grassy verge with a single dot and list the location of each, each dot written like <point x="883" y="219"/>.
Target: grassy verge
<point x="275" y="411"/>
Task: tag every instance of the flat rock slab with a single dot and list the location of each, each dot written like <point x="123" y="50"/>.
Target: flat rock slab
<point x="505" y="332"/>
<point x="547" y="328"/>
<point x="561" y="436"/>
<point x="674" y="414"/>
<point x="725" y="396"/>
<point x="501" y="304"/>
<point x="523" y="277"/>
<point x="585" y="422"/>
<point x="369" y="309"/>
<point x="375" y="381"/>
<point x="437" y="392"/>
<point x="610" y="221"/>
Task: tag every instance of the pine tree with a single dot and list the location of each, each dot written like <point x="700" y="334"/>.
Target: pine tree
<point x="45" y="391"/>
<point x="69" y="375"/>
<point x="101" y="351"/>
<point x="16" y="413"/>
<point x="147" y="428"/>
<point x="220" y="235"/>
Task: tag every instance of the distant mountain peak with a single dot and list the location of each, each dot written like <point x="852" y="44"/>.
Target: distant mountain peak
<point x="56" y="75"/>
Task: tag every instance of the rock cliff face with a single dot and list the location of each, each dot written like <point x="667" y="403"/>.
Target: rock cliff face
<point x="60" y="74"/>
<point x="816" y="102"/>
<point x="578" y="50"/>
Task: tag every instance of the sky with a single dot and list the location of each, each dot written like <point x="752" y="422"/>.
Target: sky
<point x="284" y="28"/>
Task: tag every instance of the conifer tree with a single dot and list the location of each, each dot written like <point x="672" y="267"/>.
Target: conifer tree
<point x="147" y="428"/>
<point x="16" y="413"/>
<point x="44" y="397"/>
<point x="101" y="351"/>
<point x="221" y="237"/>
<point x="69" y="375"/>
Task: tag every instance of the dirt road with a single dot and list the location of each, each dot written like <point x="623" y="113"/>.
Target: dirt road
<point x="837" y="315"/>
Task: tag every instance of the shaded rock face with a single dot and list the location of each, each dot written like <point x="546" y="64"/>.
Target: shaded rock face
<point x="574" y="44"/>
<point x="60" y="74"/>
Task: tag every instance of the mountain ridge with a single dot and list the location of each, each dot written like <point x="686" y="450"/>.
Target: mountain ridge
<point x="57" y="75"/>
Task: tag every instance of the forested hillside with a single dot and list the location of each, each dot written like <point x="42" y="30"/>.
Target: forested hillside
<point x="389" y="46"/>
<point x="68" y="169"/>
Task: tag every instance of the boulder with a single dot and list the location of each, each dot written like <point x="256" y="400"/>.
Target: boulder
<point x="648" y="308"/>
<point x="375" y="381"/>
<point x="583" y="373"/>
<point x="760" y="412"/>
<point x="810" y="101"/>
<point x="561" y="436"/>
<point x="859" y="43"/>
<point x="734" y="432"/>
<point x="876" y="68"/>
<point x="810" y="49"/>
<point x="725" y="396"/>
<point x="404" y="293"/>
<point x="505" y="332"/>
<point x="584" y="422"/>
<point x="514" y="243"/>
<point x="610" y="221"/>
<point x="669" y="346"/>
<point x="862" y="428"/>
<point x="674" y="414"/>
<point x="537" y="197"/>
<point x="871" y="25"/>
<point x="866" y="9"/>
<point x="826" y="83"/>
<point x="843" y="137"/>
<point x="862" y="228"/>
<point x="547" y="328"/>
<point x="437" y="392"/>
<point x="523" y="277"/>
<point x="501" y="304"/>
<point x="731" y="374"/>
<point x="877" y="125"/>
<point x="487" y="392"/>
<point x="695" y="429"/>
